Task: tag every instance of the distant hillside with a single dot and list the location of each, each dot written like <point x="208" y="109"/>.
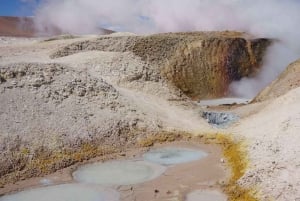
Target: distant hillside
<point x="24" y="27"/>
<point x="15" y="26"/>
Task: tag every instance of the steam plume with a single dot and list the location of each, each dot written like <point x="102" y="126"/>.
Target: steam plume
<point x="276" y="19"/>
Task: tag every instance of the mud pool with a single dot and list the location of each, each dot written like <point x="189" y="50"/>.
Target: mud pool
<point x="118" y="173"/>
<point x="220" y="119"/>
<point x="175" y="171"/>
<point x="65" y="192"/>
<point x="172" y="155"/>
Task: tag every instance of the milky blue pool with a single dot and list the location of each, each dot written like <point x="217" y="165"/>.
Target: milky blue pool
<point x="172" y="155"/>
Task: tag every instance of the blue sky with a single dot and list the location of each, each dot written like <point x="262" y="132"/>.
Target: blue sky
<point x="17" y="7"/>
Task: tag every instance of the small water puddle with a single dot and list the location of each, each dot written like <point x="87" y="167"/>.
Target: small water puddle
<point x="206" y="195"/>
<point x="64" y="192"/>
<point x="172" y="156"/>
<point x="118" y="173"/>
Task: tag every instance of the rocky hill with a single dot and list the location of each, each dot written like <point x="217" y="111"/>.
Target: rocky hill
<point x="201" y="65"/>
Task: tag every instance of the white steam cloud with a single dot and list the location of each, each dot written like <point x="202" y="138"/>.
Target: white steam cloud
<point x="276" y="19"/>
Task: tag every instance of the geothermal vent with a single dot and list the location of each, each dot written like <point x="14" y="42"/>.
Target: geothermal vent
<point x="206" y="65"/>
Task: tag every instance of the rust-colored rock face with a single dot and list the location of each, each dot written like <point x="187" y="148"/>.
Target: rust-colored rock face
<point x="205" y="68"/>
<point x="200" y="64"/>
<point x="203" y="64"/>
<point x="288" y="80"/>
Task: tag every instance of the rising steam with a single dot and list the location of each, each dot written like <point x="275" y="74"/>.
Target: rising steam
<point x="277" y="19"/>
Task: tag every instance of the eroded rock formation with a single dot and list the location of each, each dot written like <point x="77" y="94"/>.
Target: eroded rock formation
<point x="205" y="68"/>
<point x="201" y="64"/>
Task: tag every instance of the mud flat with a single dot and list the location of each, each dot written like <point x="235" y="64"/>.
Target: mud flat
<point x="182" y="178"/>
<point x="169" y="182"/>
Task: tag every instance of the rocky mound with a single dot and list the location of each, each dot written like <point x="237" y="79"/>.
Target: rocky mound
<point x="288" y="80"/>
<point x="201" y="64"/>
<point x="48" y="109"/>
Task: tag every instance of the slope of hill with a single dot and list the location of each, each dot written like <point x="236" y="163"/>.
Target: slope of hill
<point x="287" y="81"/>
